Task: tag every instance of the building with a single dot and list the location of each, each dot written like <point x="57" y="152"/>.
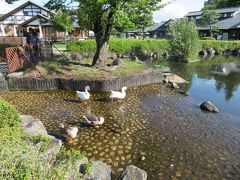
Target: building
<point x="157" y="30"/>
<point x="228" y="24"/>
<point x="29" y="14"/>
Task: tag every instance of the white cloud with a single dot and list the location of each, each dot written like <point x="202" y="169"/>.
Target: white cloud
<point x="172" y="10"/>
<point x="5" y="7"/>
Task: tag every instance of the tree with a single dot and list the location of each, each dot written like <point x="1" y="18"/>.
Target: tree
<point x="102" y="15"/>
<point x="223" y="3"/>
<point x="62" y="21"/>
<point x="10" y="1"/>
<point x="209" y="17"/>
<point x="184" y="40"/>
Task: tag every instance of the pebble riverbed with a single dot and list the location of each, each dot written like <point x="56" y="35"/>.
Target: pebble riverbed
<point x="154" y="128"/>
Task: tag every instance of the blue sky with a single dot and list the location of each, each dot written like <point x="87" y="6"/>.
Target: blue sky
<point x="177" y="8"/>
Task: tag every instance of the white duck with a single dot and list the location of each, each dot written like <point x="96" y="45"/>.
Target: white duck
<point x="84" y="95"/>
<point x="118" y="95"/>
<point x="71" y="131"/>
<point x="94" y="120"/>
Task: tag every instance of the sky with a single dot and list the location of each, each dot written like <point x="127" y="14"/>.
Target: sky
<point x="176" y="8"/>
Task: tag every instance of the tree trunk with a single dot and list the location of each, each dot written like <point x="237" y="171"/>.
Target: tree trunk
<point x="101" y="54"/>
<point x="210" y="29"/>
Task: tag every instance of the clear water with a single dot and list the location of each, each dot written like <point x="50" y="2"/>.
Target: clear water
<point x="205" y="84"/>
<point x="176" y="139"/>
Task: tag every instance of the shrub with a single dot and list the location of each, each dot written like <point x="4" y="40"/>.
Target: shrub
<point x="122" y="45"/>
<point x="220" y="45"/>
<point x="9" y="116"/>
<point x="184" y="40"/>
<point x="208" y="38"/>
<point x="19" y="159"/>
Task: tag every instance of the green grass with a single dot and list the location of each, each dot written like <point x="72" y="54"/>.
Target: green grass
<point x="59" y="67"/>
<point x="60" y="45"/>
<point x="128" y="69"/>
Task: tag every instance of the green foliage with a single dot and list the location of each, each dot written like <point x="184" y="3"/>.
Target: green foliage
<point x="224" y="3"/>
<point x="154" y="45"/>
<point x="220" y="45"/>
<point x="20" y="160"/>
<point x="9" y="116"/>
<point x="121" y="45"/>
<point x="62" y="21"/>
<point x="209" y="17"/>
<point x="184" y="40"/>
<point x="87" y="168"/>
<point x="208" y="38"/>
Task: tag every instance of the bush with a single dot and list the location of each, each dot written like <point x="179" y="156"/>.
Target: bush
<point x="9" y="116"/>
<point x="220" y="46"/>
<point x="122" y="45"/>
<point x="208" y="38"/>
<point x="184" y="40"/>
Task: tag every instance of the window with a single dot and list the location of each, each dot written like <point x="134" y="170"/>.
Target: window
<point x="31" y="12"/>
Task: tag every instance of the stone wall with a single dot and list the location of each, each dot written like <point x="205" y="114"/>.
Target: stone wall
<point x="3" y="84"/>
<point x="145" y="78"/>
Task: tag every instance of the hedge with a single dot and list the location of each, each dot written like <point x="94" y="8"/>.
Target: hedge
<point x="220" y="45"/>
<point x="154" y="45"/>
<point x="121" y="45"/>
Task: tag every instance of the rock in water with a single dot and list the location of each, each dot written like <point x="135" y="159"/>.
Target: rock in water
<point x="100" y="171"/>
<point x="185" y="93"/>
<point x="174" y="85"/>
<point x="209" y="106"/>
<point x="133" y="172"/>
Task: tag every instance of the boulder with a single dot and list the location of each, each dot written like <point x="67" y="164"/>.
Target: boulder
<point x="117" y="62"/>
<point x="165" y="55"/>
<point x="112" y="56"/>
<point x="203" y="53"/>
<point x="100" y="171"/>
<point x="174" y="85"/>
<point x="210" y="51"/>
<point x="134" y="58"/>
<point x="155" y="55"/>
<point x="51" y="149"/>
<point x="25" y="120"/>
<point x="119" y="55"/>
<point x="34" y="127"/>
<point x="185" y="93"/>
<point x="209" y="106"/>
<point x="227" y="52"/>
<point x="76" y="56"/>
<point x="75" y="172"/>
<point x="236" y="52"/>
<point x="133" y="172"/>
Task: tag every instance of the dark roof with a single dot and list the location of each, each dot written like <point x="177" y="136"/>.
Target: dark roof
<point x="34" y="18"/>
<point x="230" y="23"/>
<point x="154" y="27"/>
<point x="223" y="10"/>
<point x="20" y="7"/>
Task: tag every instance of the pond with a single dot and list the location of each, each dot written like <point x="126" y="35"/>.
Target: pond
<point x="154" y="128"/>
<point x="217" y="80"/>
